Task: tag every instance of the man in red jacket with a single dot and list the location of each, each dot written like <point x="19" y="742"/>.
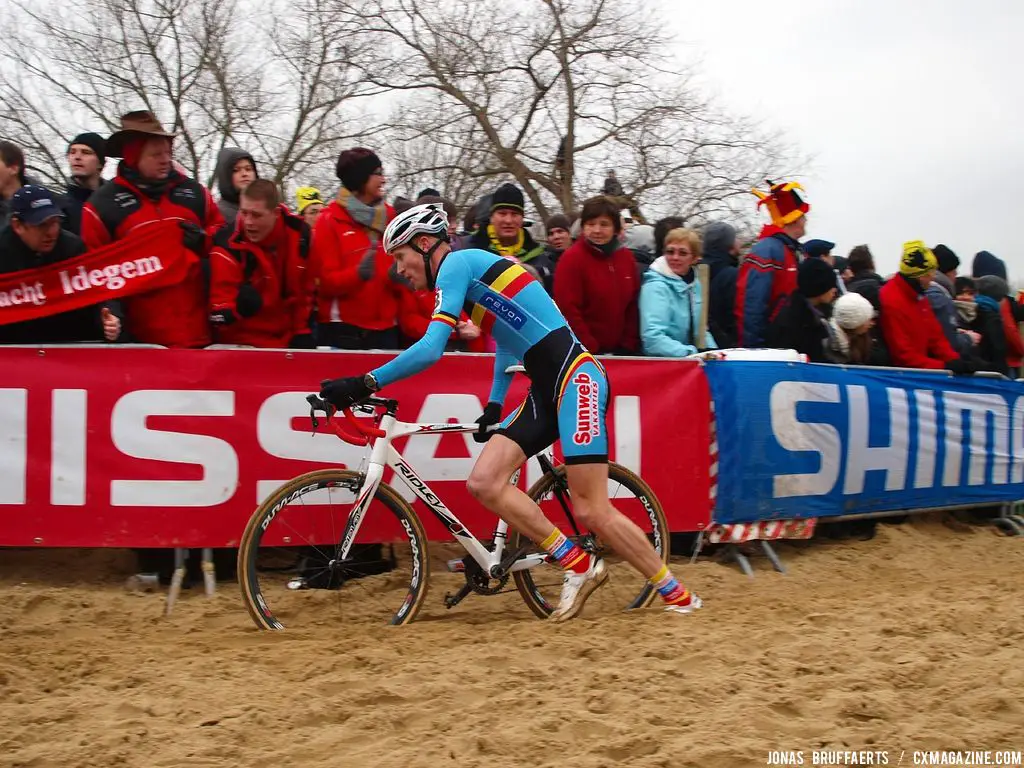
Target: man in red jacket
<point x="260" y="294"/>
<point x="911" y="331"/>
<point x="596" y="283"/>
<point x="358" y="291"/>
<point x="147" y="189"/>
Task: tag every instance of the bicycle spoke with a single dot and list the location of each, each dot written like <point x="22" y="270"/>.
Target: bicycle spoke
<point x="373" y="583"/>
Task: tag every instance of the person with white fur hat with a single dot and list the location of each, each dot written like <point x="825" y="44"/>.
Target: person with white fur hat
<point x="853" y="338"/>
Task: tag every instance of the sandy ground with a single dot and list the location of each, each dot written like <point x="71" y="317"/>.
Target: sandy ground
<point x="912" y="640"/>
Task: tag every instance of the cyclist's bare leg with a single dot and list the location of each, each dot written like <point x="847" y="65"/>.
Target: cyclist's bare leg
<point x="588" y="486"/>
<point x="489" y="484"/>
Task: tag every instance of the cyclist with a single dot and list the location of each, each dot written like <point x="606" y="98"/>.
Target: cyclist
<point x="568" y="397"/>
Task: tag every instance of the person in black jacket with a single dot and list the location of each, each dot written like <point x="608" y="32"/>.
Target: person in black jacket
<point x="801" y="324"/>
<point x="34" y="238"/>
<point x="721" y="252"/>
<point x="989" y="324"/>
<point x="864" y="280"/>
<point x="558" y="239"/>
<point x="87" y="154"/>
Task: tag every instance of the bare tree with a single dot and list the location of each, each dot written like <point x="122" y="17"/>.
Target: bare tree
<point x="177" y="58"/>
<point x="442" y="156"/>
<point x="212" y="74"/>
<point x="304" y="122"/>
<point x="553" y="92"/>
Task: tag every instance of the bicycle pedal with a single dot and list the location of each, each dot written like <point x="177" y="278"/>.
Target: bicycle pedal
<point x="456" y="566"/>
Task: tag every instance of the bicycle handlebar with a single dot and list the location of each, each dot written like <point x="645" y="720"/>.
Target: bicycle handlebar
<point x="362" y="434"/>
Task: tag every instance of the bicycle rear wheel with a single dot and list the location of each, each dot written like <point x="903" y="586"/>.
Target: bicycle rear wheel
<point x="290" y="567"/>
<point x="541" y="586"/>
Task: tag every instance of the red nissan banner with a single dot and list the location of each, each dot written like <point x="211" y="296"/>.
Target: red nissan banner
<point x="151" y="257"/>
<point x="142" y="447"/>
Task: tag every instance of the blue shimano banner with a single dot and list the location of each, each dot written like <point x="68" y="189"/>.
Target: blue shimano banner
<point x="805" y="440"/>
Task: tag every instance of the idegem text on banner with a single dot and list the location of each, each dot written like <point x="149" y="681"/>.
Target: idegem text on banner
<point x="151" y="257"/>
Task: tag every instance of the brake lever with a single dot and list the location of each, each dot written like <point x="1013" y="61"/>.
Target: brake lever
<point x="317" y="404"/>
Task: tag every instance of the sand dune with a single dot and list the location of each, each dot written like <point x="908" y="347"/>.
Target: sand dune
<point x="912" y="640"/>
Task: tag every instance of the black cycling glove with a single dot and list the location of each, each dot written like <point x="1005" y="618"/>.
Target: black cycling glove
<point x="490" y="417"/>
<point x="344" y="393"/>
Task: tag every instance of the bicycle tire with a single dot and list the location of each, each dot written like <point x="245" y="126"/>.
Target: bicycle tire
<point x="264" y="515"/>
<point x="524" y="580"/>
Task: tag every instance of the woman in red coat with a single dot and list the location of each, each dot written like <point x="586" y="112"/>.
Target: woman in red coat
<point x="597" y="285"/>
<point x="358" y="292"/>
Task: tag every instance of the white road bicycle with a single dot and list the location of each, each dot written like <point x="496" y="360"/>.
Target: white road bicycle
<point x="342" y="545"/>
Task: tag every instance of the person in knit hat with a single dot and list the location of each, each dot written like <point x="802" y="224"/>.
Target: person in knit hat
<point x="941" y="292"/>
<point x="87" y="154"/>
<point x="802" y="323"/>
<point x="985" y="263"/>
<point x="556" y="229"/>
<point x="503" y="234"/>
<point x="852" y="333"/>
<point x="359" y="294"/>
<point x="768" y="274"/>
<point x="987" y="298"/>
<point x="721" y="252"/>
<point x="309" y="204"/>
<point x="911" y="331"/>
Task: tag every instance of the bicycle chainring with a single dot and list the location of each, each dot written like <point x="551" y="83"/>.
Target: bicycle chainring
<point x="480" y="582"/>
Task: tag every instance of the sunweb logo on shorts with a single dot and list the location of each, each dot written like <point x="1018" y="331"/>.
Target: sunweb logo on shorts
<point x="588" y="421"/>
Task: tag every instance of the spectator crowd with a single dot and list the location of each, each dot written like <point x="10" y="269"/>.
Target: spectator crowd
<point x="263" y="273"/>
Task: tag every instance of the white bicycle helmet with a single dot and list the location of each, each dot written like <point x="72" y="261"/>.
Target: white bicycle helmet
<point x="426" y="219"/>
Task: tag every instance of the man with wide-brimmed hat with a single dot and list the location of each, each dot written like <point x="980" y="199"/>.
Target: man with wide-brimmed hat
<point x="148" y="188"/>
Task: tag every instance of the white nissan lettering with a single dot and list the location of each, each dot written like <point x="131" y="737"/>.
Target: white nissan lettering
<point x="133" y="437"/>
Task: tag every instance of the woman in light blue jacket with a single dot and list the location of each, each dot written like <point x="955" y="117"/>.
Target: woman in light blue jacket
<point x="670" y="299"/>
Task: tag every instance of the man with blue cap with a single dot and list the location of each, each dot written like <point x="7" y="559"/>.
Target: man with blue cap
<point x="34" y="239"/>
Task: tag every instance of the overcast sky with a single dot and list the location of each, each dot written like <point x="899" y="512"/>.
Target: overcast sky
<point x="912" y="111"/>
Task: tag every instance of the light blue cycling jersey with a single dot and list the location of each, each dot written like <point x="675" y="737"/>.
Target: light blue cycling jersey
<point x="500" y="297"/>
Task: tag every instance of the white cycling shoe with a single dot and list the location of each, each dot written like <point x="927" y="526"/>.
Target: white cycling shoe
<point x="695" y="604"/>
<point x="577" y="587"/>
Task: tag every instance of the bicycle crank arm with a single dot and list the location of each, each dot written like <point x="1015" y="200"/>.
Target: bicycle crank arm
<point x="450" y="600"/>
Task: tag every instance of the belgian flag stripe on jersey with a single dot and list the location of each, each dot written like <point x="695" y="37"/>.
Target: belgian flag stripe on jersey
<point x="444" y="317"/>
<point x="502" y="278"/>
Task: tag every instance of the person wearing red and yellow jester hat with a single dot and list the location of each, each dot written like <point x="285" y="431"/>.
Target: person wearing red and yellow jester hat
<point x="768" y="273"/>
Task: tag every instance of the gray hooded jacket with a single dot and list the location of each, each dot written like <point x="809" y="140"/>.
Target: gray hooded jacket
<point x="226" y="160"/>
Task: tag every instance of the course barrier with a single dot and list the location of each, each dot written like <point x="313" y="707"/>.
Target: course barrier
<point x="150" y="447"/>
<point x="798" y="440"/>
<point x="132" y="447"/>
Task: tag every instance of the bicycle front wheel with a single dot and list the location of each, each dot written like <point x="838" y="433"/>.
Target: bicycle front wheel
<point x="290" y="564"/>
<point x="540" y="586"/>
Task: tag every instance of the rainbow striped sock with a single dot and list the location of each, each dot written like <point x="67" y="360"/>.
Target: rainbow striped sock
<point x="568" y="555"/>
<point x="671" y="591"/>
